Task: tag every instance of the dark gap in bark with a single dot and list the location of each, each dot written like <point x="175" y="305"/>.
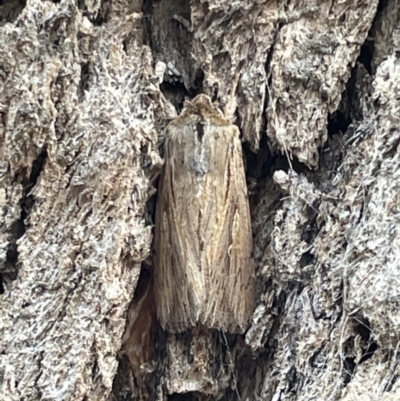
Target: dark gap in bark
<point x="264" y="163"/>
<point x="97" y="18"/>
<point x="368" y="47"/>
<point x="95" y="367"/>
<point x="10" y="9"/>
<point x="348" y="361"/>
<point x="198" y="82"/>
<point x="391" y="383"/>
<point x="349" y="366"/>
<point x="135" y="35"/>
<point x="125" y="44"/>
<point x="84" y="81"/>
<point x="298" y="166"/>
<point x="364" y="331"/>
<point x="159" y="355"/>
<point x="318" y="359"/>
<point x="28" y="199"/>
<point x="121" y="388"/>
<point x="150" y="216"/>
<point x="393" y="149"/>
<point x="82" y="7"/>
<point x="271" y="343"/>
<point x="175" y="93"/>
<point x="39" y="360"/>
<point x="366" y="54"/>
<point x="382" y="4"/>
<point x="17" y="230"/>
<point x="26" y="203"/>
<point x="292" y="379"/>
<point x="307" y="261"/>
<point x="268" y="75"/>
<point x="184" y="397"/>
<point x="143" y="282"/>
<point x="54" y="32"/>
<point x="339" y="126"/>
<point x="339" y="300"/>
<point x="340" y="120"/>
<point x="309" y="230"/>
<point x="247" y="362"/>
<point x="372" y="347"/>
<point x="147" y="10"/>
<point x="258" y="165"/>
<point x="1" y="284"/>
<point x="263" y="158"/>
<point x="104" y="14"/>
<point x="350" y="108"/>
<point x="230" y="395"/>
<point x="168" y="33"/>
<point x="296" y="286"/>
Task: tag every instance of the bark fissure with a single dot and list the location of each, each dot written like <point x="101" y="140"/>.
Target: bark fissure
<point x="18" y="227"/>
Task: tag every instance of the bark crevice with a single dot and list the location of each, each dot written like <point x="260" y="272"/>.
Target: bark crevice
<point x="18" y="227"/>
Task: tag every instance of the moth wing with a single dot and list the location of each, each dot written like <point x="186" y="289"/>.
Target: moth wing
<point x="179" y="285"/>
<point x="229" y="271"/>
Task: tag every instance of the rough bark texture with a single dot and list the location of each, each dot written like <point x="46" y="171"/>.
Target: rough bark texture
<point x="84" y="101"/>
<point x="77" y="132"/>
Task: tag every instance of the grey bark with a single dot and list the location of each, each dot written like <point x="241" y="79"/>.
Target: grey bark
<point x="86" y="90"/>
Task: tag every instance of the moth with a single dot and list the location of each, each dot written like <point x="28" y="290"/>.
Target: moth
<point x="204" y="274"/>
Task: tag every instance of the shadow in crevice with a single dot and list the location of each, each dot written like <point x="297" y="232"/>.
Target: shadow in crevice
<point x="18" y="228"/>
<point x="84" y="81"/>
<point x="370" y="345"/>
<point x="168" y="34"/>
<point x="10" y="10"/>
<point x="98" y="17"/>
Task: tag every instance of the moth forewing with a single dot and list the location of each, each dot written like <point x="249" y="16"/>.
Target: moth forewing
<point x="203" y="269"/>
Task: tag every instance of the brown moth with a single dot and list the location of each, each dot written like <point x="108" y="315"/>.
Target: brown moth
<point x="203" y="269"/>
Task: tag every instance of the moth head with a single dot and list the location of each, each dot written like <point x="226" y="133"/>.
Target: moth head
<point x="202" y="105"/>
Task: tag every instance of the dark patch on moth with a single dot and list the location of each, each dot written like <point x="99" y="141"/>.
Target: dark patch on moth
<point x="200" y="131"/>
<point x="201" y="242"/>
<point x="229" y="172"/>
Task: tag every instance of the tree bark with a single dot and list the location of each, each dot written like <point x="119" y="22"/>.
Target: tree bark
<point x="86" y="90"/>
